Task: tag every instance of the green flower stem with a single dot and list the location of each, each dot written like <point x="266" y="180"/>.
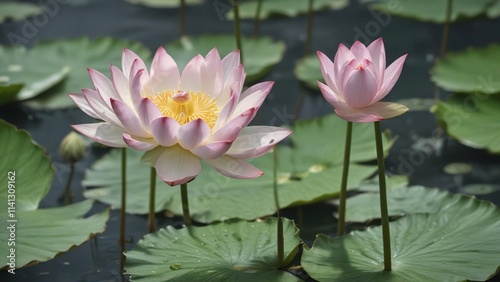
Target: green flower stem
<point x="343" y="187"/>
<point x="386" y="235"/>
<point x="182" y="18"/>
<point x="237" y="31"/>
<point x="444" y="40"/>
<point x="185" y="205"/>
<point x="67" y="189"/>
<point x="256" y="23"/>
<point x="152" y="193"/>
<point x="123" y="210"/>
<point x="281" y="244"/>
<point x="310" y="14"/>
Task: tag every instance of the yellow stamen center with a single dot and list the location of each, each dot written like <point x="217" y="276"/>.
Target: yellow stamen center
<point x="185" y="106"/>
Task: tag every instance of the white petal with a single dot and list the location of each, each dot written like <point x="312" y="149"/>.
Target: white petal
<point x="177" y="166"/>
<point x="234" y="168"/>
<point x="104" y="133"/>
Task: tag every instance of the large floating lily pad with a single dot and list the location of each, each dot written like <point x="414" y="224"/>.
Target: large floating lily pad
<point x="431" y="10"/>
<point x="308" y="70"/>
<point x="73" y="56"/>
<point x="309" y="172"/>
<point x="226" y="251"/>
<point x="401" y="201"/>
<point x="8" y="92"/>
<point x="472" y="120"/>
<point x="289" y="8"/>
<point x="16" y="11"/>
<point x="40" y="234"/>
<point x="494" y="10"/>
<point x="475" y="70"/>
<point x="259" y="55"/>
<point x="164" y="3"/>
<point x="458" y="243"/>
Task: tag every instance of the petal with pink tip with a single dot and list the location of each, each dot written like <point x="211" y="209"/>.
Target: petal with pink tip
<point x="211" y="150"/>
<point x="136" y="89"/>
<point x="104" y="133"/>
<point x="230" y="62"/>
<point x="234" y="81"/>
<point x="128" y="59"/>
<point x="193" y="133"/>
<point x="164" y="131"/>
<point x="360" y="51"/>
<point x="164" y="72"/>
<point x="82" y="103"/>
<point x="103" y="85"/>
<point x="129" y="120"/>
<point x="361" y="87"/>
<point x="391" y="76"/>
<point x="376" y="112"/>
<point x="226" y="112"/>
<point x="330" y="96"/>
<point x="100" y="108"/>
<point x="177" y="166"/>
<point x="191" y="75"/>
<point x="212" y="78"/>
<point x="148" y="112"/>
<point x="254" y="100"/>
<point x="234" y="168"/>
<point x="328" y="70"/>
<point x="140" y="144"/>
<point x="121" y="84"/>
<point x="265" y="86"/>
<point x="342" y="57"/>
<point x="255" y="141"/>
<point x="377" y="51"/>
<point x="232" y="129"/>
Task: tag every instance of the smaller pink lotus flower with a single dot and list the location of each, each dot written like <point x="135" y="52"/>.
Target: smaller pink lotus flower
<point x="358" y="79"/>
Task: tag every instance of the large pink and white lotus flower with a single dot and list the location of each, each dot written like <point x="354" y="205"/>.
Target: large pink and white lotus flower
<point x="358" y="79"/>
<point x="180" y="118"/>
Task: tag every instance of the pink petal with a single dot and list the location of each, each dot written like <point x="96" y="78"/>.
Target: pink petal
<point x="226" y="112"/>
<point x="140" y="144"/>
<point x="360" y="51"/>
<point x="104" y="133"/>
<point x="342" y="57"/>
<point x="82" y="103"/>
<point x="230" y="62"/>
<point x="376" y="112"/>
<point x="330" y="96"/>
<point x="148" y="112"/>
<point x="212" y="74"/>
<point x="265" y="86"/>
<point x="377" y="51"/>
<point x="211" y="150"/>
<point x="327" y="69"/>
<point x="254" y="101"/>
<point x="361" y="87"/>
<point x="103" y="85"/>
<point x="177" y="166"/>
<point x="100" y="108"/>
<point x="234" y="81"/>
<point x="234" y="168"/>
<point x="164" y="131"/>
<point x="193" y="133"/>
<point x="391" y="76"/>
<point x="121" y="84"/>
<point x="191" y="75"/>
<point x="232" y="129"/>
<point x="129" y="120"/>
<point x="128" y="59"/>
<point x="136" y="89"/>
<point x="255" y="141"/>
<point x="164" y="72"/>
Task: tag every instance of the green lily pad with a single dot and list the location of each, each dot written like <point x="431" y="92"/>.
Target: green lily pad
<point x="259" y="55"/>
<point x="475" y="70"/>
<point x="430" y="10"/>
<point x="17" y="11"/>
<point x="305" y="175"/>
<point x="394" y="181"/>
<point x="39" y="234"/>
<point x="472" y="120"/>
<point x="456" y="244"/>
<point x="479" y="189"/>
<point x="73" y="56"/>
<point x="17" y="66"/>
<point x="288" y="8"/>
<point x="401" y="201"/>
<point x="8" y="92"/>
<point x="225" y="251"/>
<point x="494" y="10"/>
<point x="164" y="3"/>
<point x="308" y="70"/>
